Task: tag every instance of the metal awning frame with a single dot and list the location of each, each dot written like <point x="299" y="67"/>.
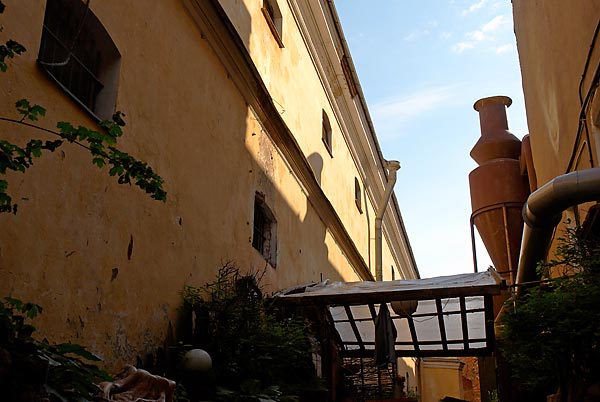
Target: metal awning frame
<point x="471" y="296"/>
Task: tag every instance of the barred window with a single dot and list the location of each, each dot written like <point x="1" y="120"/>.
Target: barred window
<point x="264" y="235"/>
<point x="79" y="55"/>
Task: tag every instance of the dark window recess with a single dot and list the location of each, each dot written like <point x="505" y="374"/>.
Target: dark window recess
<point x="274" y="19"/>
<point x="264" y="238"/>
<point x="326" y="134"/>
<point x="357" y="194"/>
<point x="77" y="52"/>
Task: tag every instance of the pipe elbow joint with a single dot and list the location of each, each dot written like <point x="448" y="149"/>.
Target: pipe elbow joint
<point x="535" y="221"/>
<point x="392" y="166"/>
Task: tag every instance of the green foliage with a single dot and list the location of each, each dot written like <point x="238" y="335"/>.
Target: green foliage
<point x="8" y="49"/>
<point x="551" y="335"/>
<point x="259" y="353"/>
<point x="31" y="368"/>
<point x="101" y="145"/>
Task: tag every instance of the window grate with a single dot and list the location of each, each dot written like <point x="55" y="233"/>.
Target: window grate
<point x="79" y="55"/>
<point x="264" y="234"/>
<point x="78" y="77"/>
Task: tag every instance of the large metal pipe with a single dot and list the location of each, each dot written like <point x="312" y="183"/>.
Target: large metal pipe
<point x="543" y="211"/>
<point x="392" y="167"/>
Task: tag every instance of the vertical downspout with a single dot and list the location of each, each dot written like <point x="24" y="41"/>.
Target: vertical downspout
<point x="392" y="167"/>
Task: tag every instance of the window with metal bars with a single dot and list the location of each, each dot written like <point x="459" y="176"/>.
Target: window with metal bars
<point x="79" y="55"/>
<point x="264" y="238"/>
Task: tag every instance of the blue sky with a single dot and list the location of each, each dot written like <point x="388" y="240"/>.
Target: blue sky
<point x="422" y="64"/>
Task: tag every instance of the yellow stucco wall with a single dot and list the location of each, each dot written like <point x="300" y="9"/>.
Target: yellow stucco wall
<point x="440" y="378"/>
<point x="554" y="43"/>
<point x="67" y="248"/>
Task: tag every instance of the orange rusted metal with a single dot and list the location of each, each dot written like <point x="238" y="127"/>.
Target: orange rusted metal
<point x="498" y="188"/>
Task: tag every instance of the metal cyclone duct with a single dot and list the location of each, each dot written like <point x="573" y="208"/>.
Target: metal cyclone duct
<point x="498" y="189"/>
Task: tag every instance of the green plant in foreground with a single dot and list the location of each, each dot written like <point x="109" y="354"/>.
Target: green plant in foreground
<point x="259" y="352"/>
<point x="551" y="336"/>
<point x="32" y="369"/>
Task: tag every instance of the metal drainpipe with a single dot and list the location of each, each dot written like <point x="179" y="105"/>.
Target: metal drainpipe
<point x="392" y="167"/>
<point x="543" y="211"/>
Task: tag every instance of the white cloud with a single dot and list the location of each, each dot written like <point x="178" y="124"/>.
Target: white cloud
<point x="477" y="36"/>
<point x="474" y="7"/>
<point x="509" y="47"/>
<point x="416" y="35"/>
<point x="391" y="114"/>
<point x="445" y="35"/>
<point x="462" y="46"/>
<point x="484" y="33"/>
<point x="495" y="23"/>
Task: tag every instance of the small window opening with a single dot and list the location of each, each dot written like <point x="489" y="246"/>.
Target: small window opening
<point x="264" y="236"/>
<point x="326" y="135"/>
<point x="272" y="14"/>
<point x="79" y="55"/>
<point x="358" y="195"/>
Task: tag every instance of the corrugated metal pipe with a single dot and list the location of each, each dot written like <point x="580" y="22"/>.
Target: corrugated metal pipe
<point x="392" y="167"/>
<point x="543" y="211"/>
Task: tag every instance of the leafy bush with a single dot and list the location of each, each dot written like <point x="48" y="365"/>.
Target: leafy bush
<point x="258" y="351"/>
<point x="31" y="370"/>
<point x="551" y="336"/>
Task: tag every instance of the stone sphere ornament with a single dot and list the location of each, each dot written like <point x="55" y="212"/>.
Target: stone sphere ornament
<point x="197" y="360"/>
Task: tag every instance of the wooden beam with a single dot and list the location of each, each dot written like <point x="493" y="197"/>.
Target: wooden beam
<point x="354" y="328"/>
<point x="440" y="314"/>
<point x="463" y="321"/>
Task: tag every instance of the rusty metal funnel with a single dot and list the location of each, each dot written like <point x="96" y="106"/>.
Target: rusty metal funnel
<point x="498" y="189"/>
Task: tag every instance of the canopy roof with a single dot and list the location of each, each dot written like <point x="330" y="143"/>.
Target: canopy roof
<point x="454" y="314"/>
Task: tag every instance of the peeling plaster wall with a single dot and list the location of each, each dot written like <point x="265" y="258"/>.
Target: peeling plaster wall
<point x="105" y="261"/>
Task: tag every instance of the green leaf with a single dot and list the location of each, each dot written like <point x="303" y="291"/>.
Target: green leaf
<point x="98" y="161"/>
<point x="118" y="118"/>
<point x="52" y="145"/>
<point x="116" y="170"/>
<point x="78" y="350"/>
<point x="35" y="111"/>
<point x="14" y="303"/>
<point x="66" y="131"/>
<point x="15" y="47"/>
<point x="22" y="106"/>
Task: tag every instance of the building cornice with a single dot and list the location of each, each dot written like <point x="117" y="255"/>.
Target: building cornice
<point x="224" y="40"/>
<point x="326" y="48"/>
